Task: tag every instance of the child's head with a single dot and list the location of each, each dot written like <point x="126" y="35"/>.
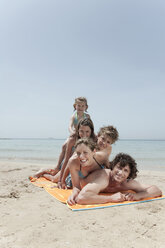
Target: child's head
<point x="122" y="160"/>
<point x="85" y="128"/>
<point x="80" y="104"/>
<point x="107" y="135"/>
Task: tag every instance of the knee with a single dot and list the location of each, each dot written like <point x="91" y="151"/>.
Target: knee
<point x="64" y="147"/>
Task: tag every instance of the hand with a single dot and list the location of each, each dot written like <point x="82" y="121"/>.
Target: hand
<point x="118" y="197"/>
<point x="61" y="185"/>
<point x="71" y="200"/>
<point x="130" y="197"/>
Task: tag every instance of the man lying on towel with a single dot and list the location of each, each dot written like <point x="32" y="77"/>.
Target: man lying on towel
<point x="115" y="180"/>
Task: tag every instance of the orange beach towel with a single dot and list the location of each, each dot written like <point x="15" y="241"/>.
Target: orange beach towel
<point x="62" y="196"/>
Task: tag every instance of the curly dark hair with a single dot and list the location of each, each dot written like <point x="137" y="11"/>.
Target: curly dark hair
<point x="110" y="131"/>
<point x="125" y="159"/>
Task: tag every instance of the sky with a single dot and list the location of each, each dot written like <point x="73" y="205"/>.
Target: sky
<point x="110" y="51"/>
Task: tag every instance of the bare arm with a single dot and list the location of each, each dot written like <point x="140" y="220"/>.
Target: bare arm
<point x="68" y="154"/>
<point x="97" y="181"/>
<point x="64" y="176"/>
<point x="62" y="155"/>
<point x="107" y="151"/>
<point x="142" y="191"/>
<point x="74" y="166"/>
<point x="71" y="125"/>
<point x="103" y="156"/>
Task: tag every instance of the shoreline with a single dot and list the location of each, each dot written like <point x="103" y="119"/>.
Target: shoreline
<point x="41" y="164"/>
<point x="31" y="218"/>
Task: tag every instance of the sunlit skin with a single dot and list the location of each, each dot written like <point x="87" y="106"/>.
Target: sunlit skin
<point x="85" y="155"/>
<point x="113" y="181"/>
<point x="84" y="161"/>
<point x="84" y="132"/>
<point x="103" y="141"/>
<point x="80" y="107"/>
<point x="120" y="174"/>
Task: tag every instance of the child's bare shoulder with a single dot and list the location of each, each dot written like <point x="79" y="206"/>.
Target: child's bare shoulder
<point x="71" y="141"/>
<point x="72" y="116"/>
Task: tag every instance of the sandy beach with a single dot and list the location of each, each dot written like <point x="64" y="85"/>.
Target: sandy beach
<point x="31" y="218"/>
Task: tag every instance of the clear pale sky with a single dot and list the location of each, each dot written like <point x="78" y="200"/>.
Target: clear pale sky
<point x="111" y="52"/>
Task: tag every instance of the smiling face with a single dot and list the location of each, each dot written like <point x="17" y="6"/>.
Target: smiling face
<point x="80" y="106"/>
<point x="120" y="174"/>
<point x="103" y="142"/>
<point x="84" y="154"/>
<point x="84" y="131"/>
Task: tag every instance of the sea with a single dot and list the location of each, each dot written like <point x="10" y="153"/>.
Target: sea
<point x="149" y="154"/>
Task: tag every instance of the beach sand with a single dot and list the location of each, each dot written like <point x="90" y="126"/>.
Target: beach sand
<point x="31" y="218"/>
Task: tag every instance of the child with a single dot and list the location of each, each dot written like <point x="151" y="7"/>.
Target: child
<point x="80" y="107"/>
<point x="106" y="136"/>
<point x="120" y="178"/>
<point x="85" y="129"/>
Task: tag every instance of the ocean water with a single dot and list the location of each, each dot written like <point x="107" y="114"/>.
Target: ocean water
<point x="149" y="154"/>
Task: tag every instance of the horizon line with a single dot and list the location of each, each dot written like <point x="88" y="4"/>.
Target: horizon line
<point x="51" y="138"/>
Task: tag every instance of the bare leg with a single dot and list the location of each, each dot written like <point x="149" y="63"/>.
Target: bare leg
<point x="40" y="173"/>
<point x="54" y="179"/>
<point x="53" y="172"/>
<point x="62" y="154"/>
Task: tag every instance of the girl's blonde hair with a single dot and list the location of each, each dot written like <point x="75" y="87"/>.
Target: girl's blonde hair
<point x="80" y="99"/>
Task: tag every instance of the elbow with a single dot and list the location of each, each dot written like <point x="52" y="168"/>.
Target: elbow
<point x="157" y="191"/>
<point x="81" y="199"/>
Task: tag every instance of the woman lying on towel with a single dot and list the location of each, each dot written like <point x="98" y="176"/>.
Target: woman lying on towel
<point x="85" y="128"/>
<point x="101" y="151"/>
<point x="115" y="180"/>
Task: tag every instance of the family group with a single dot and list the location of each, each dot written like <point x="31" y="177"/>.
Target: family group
<point x="84" y="164"/>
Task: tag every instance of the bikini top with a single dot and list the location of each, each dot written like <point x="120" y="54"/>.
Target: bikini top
<point x="75" y="122"/>
<point x="80" y="173"/>
<point x="101" y="165"/>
